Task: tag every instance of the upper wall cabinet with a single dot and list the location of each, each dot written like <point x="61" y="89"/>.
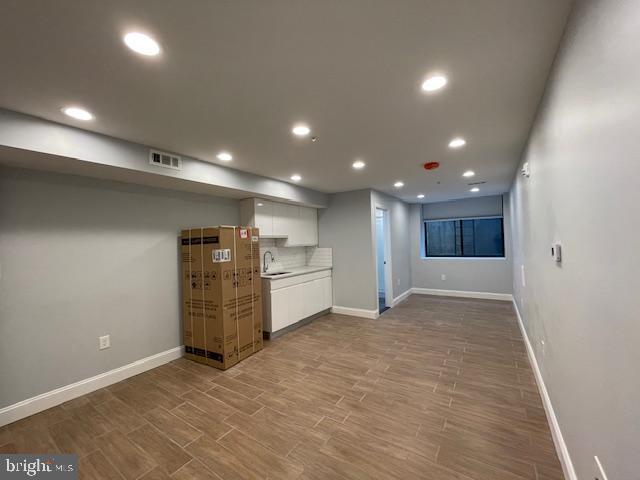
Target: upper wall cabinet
<point x="308" y="225"/>
<point x="297" y="226"/>
<point x="264" y="217"/>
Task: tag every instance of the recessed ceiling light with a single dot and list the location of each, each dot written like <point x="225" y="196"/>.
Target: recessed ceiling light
<point x="142" y="44"/>
<point x="261" y="204"/>
<point x="225" y="156"/>
<point x="295" y="177"/>
<point x="457" y="142"/>
<point x="358" y="164"/>
<point x="421" y="195"/>
<point x="398" y="184"/>
<point x="434" y="83"/>
<point x="77" y="113"/>
<point x="469" y="173"/>
<point x="301" y="130"/>
<point x="474" y="189"/>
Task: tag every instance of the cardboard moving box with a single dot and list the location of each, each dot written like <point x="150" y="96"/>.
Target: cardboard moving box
<point x="221" y="294"/>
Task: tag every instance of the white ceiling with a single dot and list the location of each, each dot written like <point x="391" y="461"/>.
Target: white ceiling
<point x="236" y="75"/>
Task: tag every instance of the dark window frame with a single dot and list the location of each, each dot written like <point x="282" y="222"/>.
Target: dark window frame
<point x="462" y="255"/>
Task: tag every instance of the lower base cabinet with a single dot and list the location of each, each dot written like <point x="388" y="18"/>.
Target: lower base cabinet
<point x="290" y="304"/>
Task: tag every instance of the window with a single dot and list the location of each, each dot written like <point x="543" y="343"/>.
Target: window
<point x="473" y="237"/>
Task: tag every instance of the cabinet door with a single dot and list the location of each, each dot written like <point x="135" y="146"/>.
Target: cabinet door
<point x="327" y="293"/>
<point x="264" y="216"/>
<point x="279" y="309"/>
<point x="281" y="219"/>
<point x="288" y="219"/>
<point x="296" y="302"/>
<point x="311" y="298"/>
<point x="296" y="230"/>
<point x="308" y="226"/>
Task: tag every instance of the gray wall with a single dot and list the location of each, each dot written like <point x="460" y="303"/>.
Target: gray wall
<point x="488" y="275"/>
<point x="583" y="191"/>
<point x="346" y="227"/>
<point x="46" y="145"/>
<point x="81" y="258"/>
<point x="399" y="213"/>
<point x="464" y="208"/>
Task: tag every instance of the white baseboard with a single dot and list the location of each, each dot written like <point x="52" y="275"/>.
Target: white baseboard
<point x="556" y="433"/>
<point x="401" y="297"/>
<point x="60" y="395"/>
<point x="355" y="312"/>
<point x="507" y="297"/>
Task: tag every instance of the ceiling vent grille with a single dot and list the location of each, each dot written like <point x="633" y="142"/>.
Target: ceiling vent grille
<point x="165" y="160"/>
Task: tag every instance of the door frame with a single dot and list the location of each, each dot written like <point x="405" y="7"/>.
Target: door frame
<point x="388" y="277"/>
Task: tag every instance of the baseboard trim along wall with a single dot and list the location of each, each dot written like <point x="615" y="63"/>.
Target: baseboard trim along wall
<point x="401" y="297"/>
<point x="556" y="433"/>
<point x="355" y="312"/>
<point x="60" y="395"/>
<point x="507" y="297"/>
<point x="361" y="312"/>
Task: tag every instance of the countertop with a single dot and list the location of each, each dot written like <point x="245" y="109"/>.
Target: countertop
<point x="292" y="272"/>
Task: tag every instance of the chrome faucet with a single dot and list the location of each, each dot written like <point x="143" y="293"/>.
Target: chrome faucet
<point x="264" y="260"/>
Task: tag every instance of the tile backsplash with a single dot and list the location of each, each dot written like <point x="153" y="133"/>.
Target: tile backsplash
<point x="291" y="257"/>
<point x="319" y="257"/>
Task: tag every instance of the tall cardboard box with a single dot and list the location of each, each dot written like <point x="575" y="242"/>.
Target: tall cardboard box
<point x="221" y="294"/>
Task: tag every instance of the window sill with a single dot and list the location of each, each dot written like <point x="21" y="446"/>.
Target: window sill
<point x="463" y="258"/>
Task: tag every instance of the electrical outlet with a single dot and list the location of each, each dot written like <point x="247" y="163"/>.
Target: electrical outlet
<point x="543" y="349"/>
<point x="443" y="277"/>
<point x="524" y="280"/>
<point x="104" y="342"/>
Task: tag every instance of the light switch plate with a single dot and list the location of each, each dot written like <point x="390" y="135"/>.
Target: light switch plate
<point x="104" y="342"/>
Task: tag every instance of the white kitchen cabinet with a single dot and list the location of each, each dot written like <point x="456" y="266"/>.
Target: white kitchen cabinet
<point x="264" y="217"/>
<point x="307" y="227"/>
<point x="326" y="301"/>
<point x="255" y="212"/>
<point x="311" y="295"/>
<point x="295" y="225"/>
<point x="292" y="302"/>
<point x="285" y="219"/>
<point x="279" y="313"/>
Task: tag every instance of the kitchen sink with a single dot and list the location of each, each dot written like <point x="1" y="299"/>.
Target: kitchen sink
<point x="275" y="274"/>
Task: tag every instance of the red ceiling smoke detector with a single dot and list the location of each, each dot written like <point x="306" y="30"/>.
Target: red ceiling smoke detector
<point x="431" y="165"/>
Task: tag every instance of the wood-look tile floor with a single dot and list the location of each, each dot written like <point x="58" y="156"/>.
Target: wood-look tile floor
<point x="437" y="388"/>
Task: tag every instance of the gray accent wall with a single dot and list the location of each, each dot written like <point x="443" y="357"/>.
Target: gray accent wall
<point x="464" y="208"/>
<point x="30" y="142"/>
<point x="80" y="258"/>
<point x="583" y="192"/>
<point x="346" y="227"/>
<point x="399" y="214"/>
<point x="486" y="275"/>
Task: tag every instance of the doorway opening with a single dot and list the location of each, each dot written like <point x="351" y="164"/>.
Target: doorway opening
<point x="383" y="260"/>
